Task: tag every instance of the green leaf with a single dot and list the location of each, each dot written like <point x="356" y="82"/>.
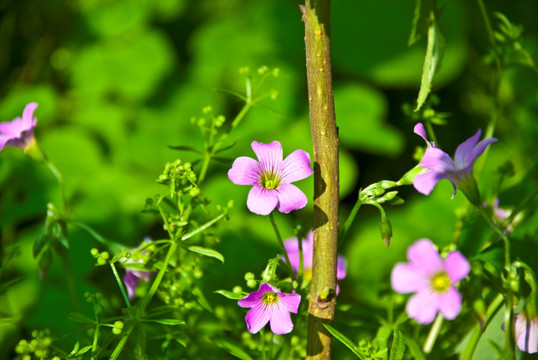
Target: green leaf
<point x="81" y="318"/>
<point x="414" y="348"/>
<point x="499" y="351"/>
<point x="432" y="62"/>
<point x="232" y="349"/>
<point x="231" y="295"/>
<point x="344" y="340"/>
<point x="421" y="20"/>
<point x="171" y="322"/>
<point x="84" y="350"/>
<point x="398" y="346"/>
<point x="206" y="252"/>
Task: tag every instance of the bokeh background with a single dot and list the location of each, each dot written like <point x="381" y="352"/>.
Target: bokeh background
<point x="117" y="81"/>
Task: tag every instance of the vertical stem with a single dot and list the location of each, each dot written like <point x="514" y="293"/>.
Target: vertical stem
<point x="434" y="332"/>
<point x="281" y="243"/>
<point x="325" y="140"/>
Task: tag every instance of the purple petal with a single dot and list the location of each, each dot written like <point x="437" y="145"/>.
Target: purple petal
<point x="405" y="278"/>
<point x="3" y="141"/>
<point x="290" y="302"/>
<point x="526" y="334"/>
<point x="269" y="155"/>
<point x="341" y="268"/>
<point x="463" y="155"/>
<point x="28" y="115"/>
<point x="477" y="151"/>
<point x="262" y="201"/>
<point x="456" y="266"/>
<point x="280" y="319"/>
<point x="255" y="297"/>
<point x="296" y="166"/>
<point x="131" y="281"/>
<point x="423" y="306"/>
<point x="245" y="171"/>
<point x="257" y="318"/>
<point x="437" y="160"/>
<point x="424" y="257"/>
<point x="450" y="303"/>
<point x="419" y="130"/>
<point x="292" y="248"/>
<point x="425" y="182"/>
<point x="290" y="198"/>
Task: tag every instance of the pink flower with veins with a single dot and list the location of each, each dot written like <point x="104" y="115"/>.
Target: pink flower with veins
<point x="271" y="178"/>
<point x="433" y="281"/>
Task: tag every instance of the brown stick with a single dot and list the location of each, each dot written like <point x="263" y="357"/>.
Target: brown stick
<point x="325" y="140"/>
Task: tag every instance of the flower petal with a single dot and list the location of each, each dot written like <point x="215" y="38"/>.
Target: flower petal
<point x="527" y="334"/>
<point x="280" y="319"/>
<point x="436" y="159"/>
<point x="423" y="306"/>
<point x="292" y="248"/>
<point x="257" y="318"/>
<point x="3" y="141"/>
<point x="28" y="115"/>
<point x="465" y="149"/>
<point x="290" y="198"/>
<point x="341" y="268"/>
<point x="290" y="302"/>
<point x="255" y="297"/>
<point x="269" y="156"/>
<point x="406" y="278"/>
<point x="419" y="130"/>
<point x="450" y="303"/>
<point x="477" y="151"/>
<point x="456" y="266"/>
<point x="245" y="171"/>
<point x="130" y="281"/>
<point x="262" y="201"/>
<point x="424" y="257"/>
<point x="296" y="166"/>
<point x="425" y="182"/>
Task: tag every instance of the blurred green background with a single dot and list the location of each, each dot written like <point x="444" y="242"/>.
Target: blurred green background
<point x="117" y="81"/>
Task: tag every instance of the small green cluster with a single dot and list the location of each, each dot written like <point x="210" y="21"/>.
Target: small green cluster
<point x="117" y="328"/>
<point x="38" y="346"/>
<point x="180" y="178"/>
<point x="100" y="257"/>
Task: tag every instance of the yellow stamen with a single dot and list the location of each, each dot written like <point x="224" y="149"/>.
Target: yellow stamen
<point x="441" y="282"/>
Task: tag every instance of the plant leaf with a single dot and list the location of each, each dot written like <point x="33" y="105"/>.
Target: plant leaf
<point x="398" y="346"/>
<point x="232" y="349"/>
<point x="206" y="252"/>
<point x="171" y="322"/>
<point x="185" y="148"/>
<point x="344" y="340"/>
<point x="231" y="295"/>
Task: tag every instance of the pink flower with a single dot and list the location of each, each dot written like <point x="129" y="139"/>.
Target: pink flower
<point x="19" y="132"/>
<point x="271" y="178"/>
<point x="292" y="248"/>
<point x="441" y="166"/>
<point x="269" y="304"/>
<point x="132" y="276"/>
<point x="526" y="333"/>
<point x="433" y="281"/>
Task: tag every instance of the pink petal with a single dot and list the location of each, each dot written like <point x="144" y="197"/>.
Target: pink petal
<point x="3" y="141"/>
<point x="255" y="297"/>
<point x="257" y="318"/>
<point x="130" y="281"/>
<point x="262" y="201"/>
<point x="526" y="334"/>
<point x="437" y="160"/>
<point x="28" y="115"/>
<point x="296" y="166"/>
<point x="450" y="303"/>
<point x="406" y="278"/>
<point x="280" y="320"/>
<point x="419" y="130"/>
<point x="425" y="182"/>
<point x="245" y="171"/>
<point x="292" y="248"/>
<point x="341" y="268"/>
<point x="424" y="257"/>
<point x="456" y="266"/>
<point x="290" y="302"/>
<point x="269" y="155"/>
<point x="290" y="198"/>
<point x="423" y="306"/>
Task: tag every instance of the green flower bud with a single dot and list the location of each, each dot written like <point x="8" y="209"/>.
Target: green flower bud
<point x="117" y="328"/>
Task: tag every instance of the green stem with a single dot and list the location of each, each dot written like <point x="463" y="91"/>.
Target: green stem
<point x="281" y="242"/>
<point x="96" y="333"/>
<point x="489" y="30"/>
<point x="120" y="284"/>
<point x="492" y="310"/>
<point x="264" y="347"/>
<point x="69" y="278"/>
<point x="434" y="332"/>
<point x="60" y="180"/>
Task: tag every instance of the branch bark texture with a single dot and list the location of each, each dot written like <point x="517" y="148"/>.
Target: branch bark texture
<point x="316" y="16"/>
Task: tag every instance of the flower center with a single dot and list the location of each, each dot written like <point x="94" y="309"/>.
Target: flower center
<point x="441" y="282"/>
<point x="270" y="181"/>
<point x="270" y="298"/>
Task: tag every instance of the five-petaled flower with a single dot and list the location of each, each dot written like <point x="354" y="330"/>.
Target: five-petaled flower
<point x="292" y="248"/>
<point x="20" y="131"/>
<point x="458" y="172"/>
<point x="132" y="276"/>
<point x="269" y="304"/>
<point x="526" y="333"/>
<point x="433" y="281"/>
<point x="271" y="178"/>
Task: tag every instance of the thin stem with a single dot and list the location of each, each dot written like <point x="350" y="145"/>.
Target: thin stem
<point x="120" y="284"/>
<point x="429" y="130"/>
<point x="281" y="242"/>
<point x="60" y="180"/>
<point x="96" y="333"/>
<point x="434" y="332"/>
<point x="264" y="347"/>
<point x="70" y="280"/>
<point x="489" y="30"/>
<point x="349" y="221"/>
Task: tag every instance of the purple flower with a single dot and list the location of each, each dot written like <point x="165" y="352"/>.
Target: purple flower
<point x="132" y="276"/>
<point x="419" y="130"/>
<point x="292" y="248"/>
<point x="433" y="281"/>
<point x="271" y="178"/>
<point x="19" y="132"/>
<point x="526" y="333"/>
<point x="441" y="166"/>
<point x="269" y="304"/>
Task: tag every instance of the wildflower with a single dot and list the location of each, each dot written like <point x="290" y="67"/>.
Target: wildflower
<point x="458" y="172"/>
<point x="292" y="248"/>
<point x="419" y="130"/>
<point x="527" y="333"/>
<point x="19" y="132"/>
<point x="269" y="304"/>
<point x="132" y="276"/>
<point x="271" y="178"/>
<point x="433" y="281"/>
